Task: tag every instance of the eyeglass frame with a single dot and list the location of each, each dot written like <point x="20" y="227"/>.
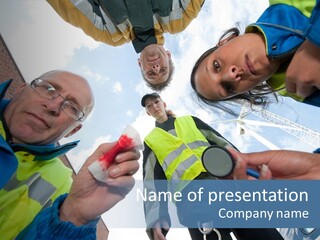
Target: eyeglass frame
<point x="57" y="94"/>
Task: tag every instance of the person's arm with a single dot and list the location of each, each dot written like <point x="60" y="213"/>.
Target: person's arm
<point x="90" y="20"/>
<point x="212" y="135"/>
<point x="302" y="75"/>
<point x="187" y="12"/>
<point x="156" y="214"/>
<point x="278" y="164"/>
<point x="74" y="216"/>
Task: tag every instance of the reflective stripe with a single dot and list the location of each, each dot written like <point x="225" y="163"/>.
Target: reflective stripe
<point x="178" y="8"/>
<point x="173" y="132"/>
<point x="40" y="190"/>
<point x="172" y="156"/>
<point x="109" y="24"/>
<point x="101" y="23"/>
<point x="186" y="164"/>
<point x="184" y="3"/>
<point x="149" y="166"/>
<point x="177" y="152"/>
<point x="197" y="144"/>
<point x="86" y="8"/>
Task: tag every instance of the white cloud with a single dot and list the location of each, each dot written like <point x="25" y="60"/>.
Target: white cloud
<point x="129" y="113"/>
<point x="97" y="77"/>
<point x="141" y="88"/>
<point x="117" y="87"/>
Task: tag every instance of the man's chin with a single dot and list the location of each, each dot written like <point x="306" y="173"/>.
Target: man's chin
<point x="156" y="81"/>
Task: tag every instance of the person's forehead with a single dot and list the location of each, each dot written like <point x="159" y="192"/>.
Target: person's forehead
<point x="72" y="86"/>
<point x="151" y="99"/>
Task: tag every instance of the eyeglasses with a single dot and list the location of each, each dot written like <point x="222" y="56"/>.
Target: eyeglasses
<point x="46" y="90"/>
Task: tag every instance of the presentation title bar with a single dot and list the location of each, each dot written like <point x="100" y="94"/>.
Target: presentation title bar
<point x="223" y="203"/>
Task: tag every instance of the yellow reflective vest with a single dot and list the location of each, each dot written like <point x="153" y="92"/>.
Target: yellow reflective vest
<point x="305" y="6"/>
<point x="179" y="153"/>
<point x="34" y="185"/>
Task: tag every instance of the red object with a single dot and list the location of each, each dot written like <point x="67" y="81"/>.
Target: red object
<point x="124" y="143"/>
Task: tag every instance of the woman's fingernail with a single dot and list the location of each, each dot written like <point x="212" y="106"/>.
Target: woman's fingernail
<point x="239" y="162"/>
<point x="264" y="170"/>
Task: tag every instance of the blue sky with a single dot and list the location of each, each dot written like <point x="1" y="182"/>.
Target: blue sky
<point x="40" y="41"/>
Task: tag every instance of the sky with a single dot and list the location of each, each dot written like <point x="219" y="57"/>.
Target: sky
<point x="39" y="41"/>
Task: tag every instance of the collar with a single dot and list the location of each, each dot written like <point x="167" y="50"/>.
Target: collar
<point x="169" y="121"/>
<point x="43" y="152"/>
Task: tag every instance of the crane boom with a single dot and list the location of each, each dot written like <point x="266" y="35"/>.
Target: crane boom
<point x="303" y="133"/>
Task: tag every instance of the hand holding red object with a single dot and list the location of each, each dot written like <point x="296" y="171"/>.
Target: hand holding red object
<point x="128" y="140"/>
<point x="124" y="143"/>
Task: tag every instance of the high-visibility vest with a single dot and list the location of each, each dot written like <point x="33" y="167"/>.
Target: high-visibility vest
<point x="304" y="6"/>
<point x="179" y="152"/>
<point x="34" y="186"/>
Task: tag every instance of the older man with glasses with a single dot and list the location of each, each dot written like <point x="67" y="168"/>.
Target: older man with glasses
<point x="34" y="198"/>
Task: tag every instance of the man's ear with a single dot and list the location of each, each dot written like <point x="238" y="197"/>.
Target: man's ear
<point x="18" y="89"/>
<point x="139" y="62"/>
<point x="226" y="39"/>
<point x="73" y="131"/>
<point x="168" y="54"/>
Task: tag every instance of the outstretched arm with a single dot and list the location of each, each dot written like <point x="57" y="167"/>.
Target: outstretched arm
<point x="74" y="215"/>
<point x="278" y="164"/>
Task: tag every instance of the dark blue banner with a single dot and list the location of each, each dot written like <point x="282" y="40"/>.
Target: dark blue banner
<point x="223" y="203"/>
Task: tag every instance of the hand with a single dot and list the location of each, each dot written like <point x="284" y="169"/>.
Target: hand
<point x="89" y="198"/>
<point x="302" y="75"/>
<point x="157" y="231"/>
<point x="278" y="164"/>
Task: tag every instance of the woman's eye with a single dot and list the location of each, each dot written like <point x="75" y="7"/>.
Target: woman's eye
<point x="216" y="66"/>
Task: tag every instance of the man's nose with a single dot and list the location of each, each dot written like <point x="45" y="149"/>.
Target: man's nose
<point x="54" y="105"/>
<point x="156" y="68"/>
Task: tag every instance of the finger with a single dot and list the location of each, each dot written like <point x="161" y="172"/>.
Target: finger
<point x="240" y="171"/>
<point x="233" y="152"/>
<point x="124" y="182"/>
<point x="265" y="173"/>
<point x="257" y="159"/>
<point x="124" y="168"/>
<point x="305" y="91"/>
<point x="129" y="155"/>
<point x="291" y="87"/>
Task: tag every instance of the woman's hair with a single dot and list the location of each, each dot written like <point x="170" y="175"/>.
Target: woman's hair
<point x="256" y="96"/>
